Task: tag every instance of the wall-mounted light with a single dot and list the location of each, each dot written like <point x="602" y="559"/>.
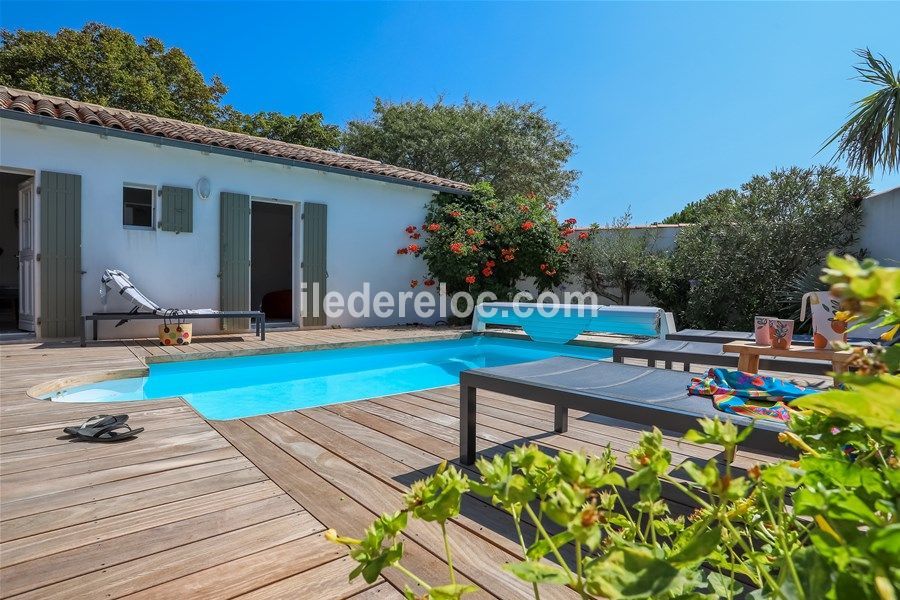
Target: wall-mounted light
<point x="203" y="188"/>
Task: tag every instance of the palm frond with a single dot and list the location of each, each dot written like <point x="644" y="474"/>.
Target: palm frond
<point x="871" y="136"/>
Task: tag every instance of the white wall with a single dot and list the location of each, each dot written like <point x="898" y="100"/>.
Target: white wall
<point x="365" y="218"/>
<point x="880" y="231"/>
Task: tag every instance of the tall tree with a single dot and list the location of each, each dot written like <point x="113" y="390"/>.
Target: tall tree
<point x="871" y="136"/>
<point x="613" y="261"/>
<point x="108" y="66"/>
<point x="513" y="146"/>
<point x="308" y="129"/>
<point x="105" y="65"/>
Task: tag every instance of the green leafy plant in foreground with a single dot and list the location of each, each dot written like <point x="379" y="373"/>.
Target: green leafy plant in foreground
<point x="822" y="526"/>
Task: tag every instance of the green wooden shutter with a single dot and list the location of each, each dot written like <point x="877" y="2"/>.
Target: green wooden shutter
<point x="176" y="210"/>
<point x="60" y="256"/>
<point x="234" y="257"/>
<point x="315" y="226"/>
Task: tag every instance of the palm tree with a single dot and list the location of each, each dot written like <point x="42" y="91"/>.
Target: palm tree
<point x="871" y="136"/>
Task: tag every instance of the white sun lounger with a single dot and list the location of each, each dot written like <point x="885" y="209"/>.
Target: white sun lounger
<point x="115" y="281"/>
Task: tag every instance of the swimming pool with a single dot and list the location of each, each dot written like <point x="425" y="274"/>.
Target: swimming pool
<point x="233" y="388"/>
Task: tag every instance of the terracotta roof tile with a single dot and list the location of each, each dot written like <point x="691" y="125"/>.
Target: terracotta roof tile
<point x="54" y="107"/>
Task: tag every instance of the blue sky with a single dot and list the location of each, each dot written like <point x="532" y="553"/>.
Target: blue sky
<point x="667" y="102"/>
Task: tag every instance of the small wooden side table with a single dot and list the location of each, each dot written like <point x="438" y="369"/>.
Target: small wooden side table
<point x="749" y="353"/>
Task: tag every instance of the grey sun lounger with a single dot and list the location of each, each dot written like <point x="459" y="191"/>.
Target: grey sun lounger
<point x="709" y="353"/>
<point x="641" y="395"/>
<point x="723" y="337"/>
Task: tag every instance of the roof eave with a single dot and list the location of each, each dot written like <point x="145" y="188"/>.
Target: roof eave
<point x="17" y="115"/>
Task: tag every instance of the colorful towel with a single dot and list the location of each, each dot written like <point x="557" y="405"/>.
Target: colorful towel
<point x="752" y="395"/>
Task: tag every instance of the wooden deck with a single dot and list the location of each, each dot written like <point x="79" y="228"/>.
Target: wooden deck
<point x="226" y="509"/>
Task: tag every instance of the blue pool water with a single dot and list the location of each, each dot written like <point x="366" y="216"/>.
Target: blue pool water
<point x="233" y="388"/>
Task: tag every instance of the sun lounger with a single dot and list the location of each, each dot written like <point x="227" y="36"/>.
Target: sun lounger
<point x="144" y="308"/>
<point x="863" y="334"/>
<point x="710" y="353"/>
<point x="636" y="394"/>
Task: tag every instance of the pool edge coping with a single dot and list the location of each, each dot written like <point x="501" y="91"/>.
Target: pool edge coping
<point x="54" y="385"/>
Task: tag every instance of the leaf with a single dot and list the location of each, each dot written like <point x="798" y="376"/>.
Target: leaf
<point x="537" y="572"/>
<point x="694" y="544"/>
<point x="542" y="547"/>
<point x="874" y="403"/>
<point x="813" y="573"/>
<point x="722" y="585"/>
<point x="886" y="544"/>
<point x="630" y="572"/>
<point x="450" y="592"/>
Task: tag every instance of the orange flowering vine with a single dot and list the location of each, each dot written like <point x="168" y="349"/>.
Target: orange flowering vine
<point x="470" y="279"/>
<point x="434" y="227"/>
<point x="456" y="247"/>
<point x="527" y="225"/>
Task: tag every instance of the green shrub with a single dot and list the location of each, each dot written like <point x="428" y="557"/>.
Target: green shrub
<point x="481" y="243"/>
<point x="735" y="260"/>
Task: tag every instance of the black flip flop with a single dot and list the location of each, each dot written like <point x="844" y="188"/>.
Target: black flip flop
<point x="110" y="433"/>
<point x="96" y="422"/>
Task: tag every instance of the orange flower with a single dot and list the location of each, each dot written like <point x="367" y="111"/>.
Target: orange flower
<point x="487" y="272"/>
<point x="455" y="213"/>
<point x="567" y="231"/>
<point x="524" y="208"/>
<point x="428" y="282"/>
<point x="413" y="248"/>
<point x="434" y="227"/>
<point x="402" y="251"/>
<point x="583" y="235"/>
<point x="470" y="279"/>
<point x="410" y="228"/>
<point x="543" y="267"/>
<point x="527" y="225"/>
<point x="474" y="247"/>
<point x="563" y="248"/>
<point x="491" y="264"/>
<point x="415" y="235"/>
<point x="470" y="232"/>
<point x="413" y="283"/>
<point x="456" y="247"/>
<point x="570" y="221"/>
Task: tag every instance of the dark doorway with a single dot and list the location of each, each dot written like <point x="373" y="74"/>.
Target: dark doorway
<point x="271" y="260"/>
<point x="12" y="185"/>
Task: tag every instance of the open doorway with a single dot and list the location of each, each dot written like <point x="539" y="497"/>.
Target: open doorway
<point x="18" y="255"/>
<point x="271" y="260"/>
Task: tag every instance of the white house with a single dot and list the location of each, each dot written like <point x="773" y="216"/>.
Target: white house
<point x="199" y="217"/>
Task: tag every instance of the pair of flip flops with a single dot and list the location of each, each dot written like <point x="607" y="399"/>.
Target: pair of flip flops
<point x="104" y="428"/>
